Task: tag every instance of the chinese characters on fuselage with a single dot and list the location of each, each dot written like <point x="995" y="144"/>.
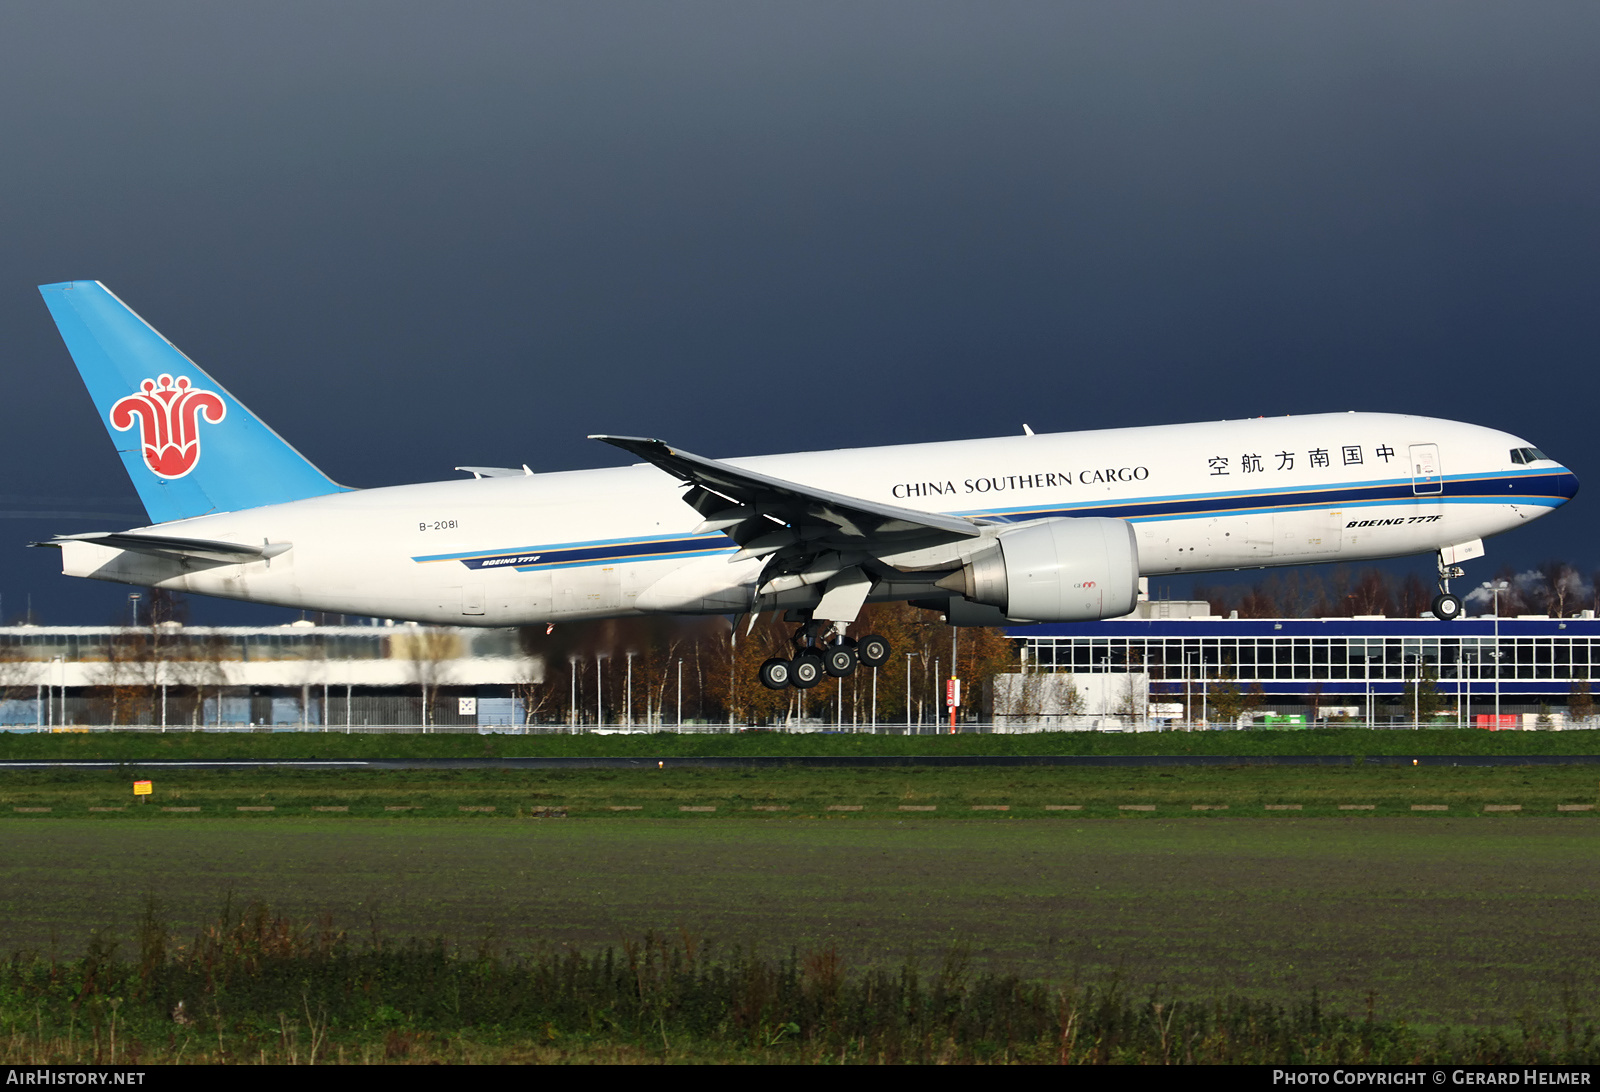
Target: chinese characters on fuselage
<point x="1318" y="458"/>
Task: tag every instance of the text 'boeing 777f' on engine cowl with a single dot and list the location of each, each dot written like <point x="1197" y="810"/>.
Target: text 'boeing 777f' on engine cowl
<point x="1031" y="528"/>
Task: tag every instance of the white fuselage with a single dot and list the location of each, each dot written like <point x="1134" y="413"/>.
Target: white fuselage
<point x="604" y="543"/>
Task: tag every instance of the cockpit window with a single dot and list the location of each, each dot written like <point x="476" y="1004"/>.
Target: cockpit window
<point x="1521" y="455"/>
<point x="1517" y="456"/>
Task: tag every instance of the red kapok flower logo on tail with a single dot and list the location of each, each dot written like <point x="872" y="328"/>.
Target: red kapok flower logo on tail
<point x="169" y="417"/>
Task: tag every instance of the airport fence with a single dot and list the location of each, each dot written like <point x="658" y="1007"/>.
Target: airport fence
<point x="1111" y="725"/>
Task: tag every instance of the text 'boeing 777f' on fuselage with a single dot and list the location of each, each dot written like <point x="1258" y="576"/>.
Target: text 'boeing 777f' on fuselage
<point x="1031" y="528"/>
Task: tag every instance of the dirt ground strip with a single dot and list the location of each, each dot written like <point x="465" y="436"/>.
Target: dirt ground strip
<point x="1444" y="919"/>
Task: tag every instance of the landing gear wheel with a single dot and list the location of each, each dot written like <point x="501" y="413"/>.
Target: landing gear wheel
<point x="873" y="650"/>
<point x="840" y="660"/>
<point x="806" y="670"/>
<point x="1446" y="608"/>
<point x="775" y="674"/>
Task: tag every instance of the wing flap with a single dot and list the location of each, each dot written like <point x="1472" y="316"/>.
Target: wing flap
<point x="845" y="516"/>
<point x="802" y="533"/>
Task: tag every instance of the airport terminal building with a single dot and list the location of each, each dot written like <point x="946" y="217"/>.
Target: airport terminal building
<point x="1362" y="667"/>
<point x="1168" y="662"/>
<point x="293" y="676"/>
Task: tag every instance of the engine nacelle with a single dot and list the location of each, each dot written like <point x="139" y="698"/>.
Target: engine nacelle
<point x="1057" y="570"/>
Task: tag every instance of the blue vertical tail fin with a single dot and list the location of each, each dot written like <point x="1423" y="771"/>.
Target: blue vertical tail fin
<point x="190" y="447"/>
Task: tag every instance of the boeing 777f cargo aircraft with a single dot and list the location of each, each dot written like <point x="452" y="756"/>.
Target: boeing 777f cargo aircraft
<point x="1020" y="528"/>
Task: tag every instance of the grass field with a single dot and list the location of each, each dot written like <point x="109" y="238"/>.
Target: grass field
<point x="136" y="746"/>
<point x="254" y="986"/>
<point x="1445" y="920"/>
<point x="1427" y="919"/>
<point x="951" y="792"/>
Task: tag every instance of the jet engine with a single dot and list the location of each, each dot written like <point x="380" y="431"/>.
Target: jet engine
<point x="1056" y="570"/>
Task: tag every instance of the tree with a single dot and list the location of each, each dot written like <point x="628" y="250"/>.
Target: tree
<point x="532" y="686"/>
<point x="1024" y="696"/>
<point x="1299" y="593"/>
<point x="1224" y="695"/>
<point x="1315" y="696"/>
<point x="1422" y="698"/>
<point x="1254" y="698"/>
<point x="123" y="679"/>
<point x="1259" y="602"/>
<point x="430" y="651"/>
<point x="1069" y="700"/>
<point x="1339" y="595"/>
<point x="747" y="648"/>
<point x="19" y="677"/>
<point x="720" y="656"/>
<point x="1556" y="589"/>
<point x="1414" y="597"/>
<point x="197" y="665"/>
<point x="1133" y="699"/>
<point x="1034" y="695"/>
<point x="1580" y="706"/>
<point x="1512" y="599"/>
<point x="1373" y="593"/>
<point x="166" y="606"/>
<point x="1219" y="598"/>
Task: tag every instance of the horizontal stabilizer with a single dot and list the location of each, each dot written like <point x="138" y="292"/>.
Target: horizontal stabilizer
<point x="235" y="553"/>
<point x="497" y="471"/>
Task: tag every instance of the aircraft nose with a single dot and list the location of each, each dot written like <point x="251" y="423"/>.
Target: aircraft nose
<point x="1566" y="485"/>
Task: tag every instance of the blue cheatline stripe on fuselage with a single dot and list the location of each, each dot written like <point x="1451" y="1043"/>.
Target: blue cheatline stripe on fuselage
<point x="564" y="554"/>
<point x="1462" y="489"/>
<point x="1556" y="489"/>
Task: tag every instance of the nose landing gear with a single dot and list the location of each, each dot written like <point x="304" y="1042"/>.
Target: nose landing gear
<point x="1447" y="607"/>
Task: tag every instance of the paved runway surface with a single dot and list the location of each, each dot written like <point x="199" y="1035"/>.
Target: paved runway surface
<point x="839" y="762"/>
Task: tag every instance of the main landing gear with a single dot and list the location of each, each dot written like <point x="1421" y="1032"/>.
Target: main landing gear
<point x="819" y="656"/>
<point x="1447" y="607"/>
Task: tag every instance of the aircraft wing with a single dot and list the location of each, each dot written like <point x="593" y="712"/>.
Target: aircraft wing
<point x="235" y="553"/>
<point x="793" y="524"/>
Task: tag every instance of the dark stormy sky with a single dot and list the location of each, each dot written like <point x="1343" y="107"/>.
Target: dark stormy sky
<point x="416" y="235"/>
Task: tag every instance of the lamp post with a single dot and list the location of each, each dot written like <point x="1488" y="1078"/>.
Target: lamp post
<point x="1188" y="693"/>
<point x="909" y="655"/>
<point x="572" y="705"/>
<point x="61" y="688"/>
<point x="1497" y="586"/>
<point x="1416" y="692"/>
<point x="954" y="672"/>
<point x="629" y="699"/>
